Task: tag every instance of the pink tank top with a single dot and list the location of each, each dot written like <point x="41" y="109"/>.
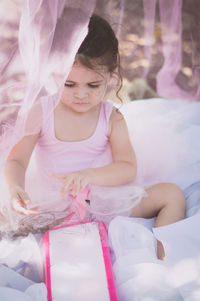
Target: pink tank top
<point x="58" y="156"/>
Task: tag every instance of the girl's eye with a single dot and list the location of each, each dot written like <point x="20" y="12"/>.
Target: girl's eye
<point x="69" y="85"/>
<point x="93" y="86"/>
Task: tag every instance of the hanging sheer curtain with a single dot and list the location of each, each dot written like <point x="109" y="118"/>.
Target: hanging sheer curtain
<point x="174" y="25"/>
<point x="171" y="22"/>
<point x="37" y="60"/>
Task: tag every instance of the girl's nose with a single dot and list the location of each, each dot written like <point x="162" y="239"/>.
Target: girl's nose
<point x="81" y="92"/>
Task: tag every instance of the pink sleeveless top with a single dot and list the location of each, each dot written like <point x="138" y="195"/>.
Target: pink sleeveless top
<point x="58" y="156"/>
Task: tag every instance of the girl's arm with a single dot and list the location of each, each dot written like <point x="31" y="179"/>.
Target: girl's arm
<point x="121" y="171"/>
<point x="15" y="169"/>
<point x="124" y="167"/>
<point x="18" y="160"/>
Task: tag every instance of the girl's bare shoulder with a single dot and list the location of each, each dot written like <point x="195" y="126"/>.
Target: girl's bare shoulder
<point x="34" y="119"/>
<point x="116" y="119"/>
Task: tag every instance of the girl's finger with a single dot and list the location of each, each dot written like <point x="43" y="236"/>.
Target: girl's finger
<point x="59" y="176"/>
<point x="70" y="187"/>
<point x="16" y="203"/>
<point x="77" y="186"/>
<point x="34" y="210"/>
<point x="24" y="197"/>
<point x="84" y="183"/>
<point x="67" y="185"/>
<point x="27" y="211"/>
<point x="19" y="207"/>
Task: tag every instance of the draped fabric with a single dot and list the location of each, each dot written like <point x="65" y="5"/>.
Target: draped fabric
<point x="172" y="42"/>
<point x="48" y="37"/>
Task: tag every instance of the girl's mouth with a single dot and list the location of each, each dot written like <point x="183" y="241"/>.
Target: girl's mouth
<point x="81" y="103"/>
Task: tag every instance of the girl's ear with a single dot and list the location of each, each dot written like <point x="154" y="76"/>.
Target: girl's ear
<point x="113" y="88"/>
<point x="113" y="81"/>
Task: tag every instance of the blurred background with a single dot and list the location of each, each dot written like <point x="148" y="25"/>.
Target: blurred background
<point x="158" y="38"/>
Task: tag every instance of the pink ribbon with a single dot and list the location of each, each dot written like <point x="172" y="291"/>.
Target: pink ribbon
<point x="77" y="209"/>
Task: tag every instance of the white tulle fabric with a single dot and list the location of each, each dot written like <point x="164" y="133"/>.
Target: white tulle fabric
<point x="165" y="135"/>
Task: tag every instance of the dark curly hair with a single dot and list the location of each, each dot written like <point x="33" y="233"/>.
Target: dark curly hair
<point x="100" y="48"/>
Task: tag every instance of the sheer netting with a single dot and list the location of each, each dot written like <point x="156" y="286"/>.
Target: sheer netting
<point x="49" y="35"/>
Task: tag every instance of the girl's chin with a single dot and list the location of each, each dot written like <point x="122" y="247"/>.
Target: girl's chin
<point x="80" y="106"/>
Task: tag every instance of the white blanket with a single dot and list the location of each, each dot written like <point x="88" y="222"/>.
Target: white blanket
<point x="21" y="270"/>
<point x="140" y="276"/>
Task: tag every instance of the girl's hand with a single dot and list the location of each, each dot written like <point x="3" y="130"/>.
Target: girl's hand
<point x="75" y="181"/>
<point x="20" y="200"/>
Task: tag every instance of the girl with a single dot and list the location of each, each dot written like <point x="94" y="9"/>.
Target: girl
<point x="85" y="142"/>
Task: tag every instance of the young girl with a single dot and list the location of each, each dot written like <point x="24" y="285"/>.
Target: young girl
<point x="85" y="143"/>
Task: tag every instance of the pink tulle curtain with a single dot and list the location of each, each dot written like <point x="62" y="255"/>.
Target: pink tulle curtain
<point x="149" y="22"/>
<point x="38" y="60"/>
<point x="171" y="22"/>
<point x="171" y="17"/>
<point x="50" y="34"/>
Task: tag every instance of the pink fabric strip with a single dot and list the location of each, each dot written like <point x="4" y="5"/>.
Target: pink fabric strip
<point x="106" y="256"/>
<point x="47" y="270"/>
<point x="149" y="21"/>
<point x="107" y="261"/>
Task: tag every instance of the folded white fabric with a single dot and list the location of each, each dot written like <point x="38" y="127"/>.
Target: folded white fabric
<point x="14" y="286"/>
<point x="139" y="274"/>
<point x="21" y="253"/>
<point x="181" y="242"/>
<point x="36" y="292"/>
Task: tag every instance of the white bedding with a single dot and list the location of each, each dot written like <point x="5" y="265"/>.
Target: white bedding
<point x="21" y="270"/>
<point x="140" y="276"/>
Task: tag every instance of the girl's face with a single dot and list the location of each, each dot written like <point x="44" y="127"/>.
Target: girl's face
<point x="85" y="88"/>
